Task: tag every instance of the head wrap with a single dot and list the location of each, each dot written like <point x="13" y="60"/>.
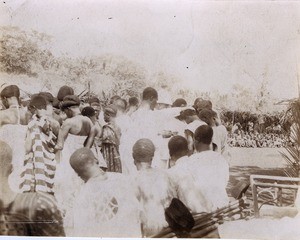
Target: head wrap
<point x="94" y="100"/>
<point x="111" y="110"/>
<point x="48" y="96"/>
<point x="38" y="102"/>
<point x="143" y="150"/>
<point x="10" y="91"/>
<point x="64" y="91"/>
<point x="69" y="101"/>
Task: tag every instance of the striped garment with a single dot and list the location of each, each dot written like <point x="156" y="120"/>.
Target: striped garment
<point x="44" y="217"/>
<point x="13" y="224"/>
<point x="40" y="163"/>
<point x="110" y="147"/>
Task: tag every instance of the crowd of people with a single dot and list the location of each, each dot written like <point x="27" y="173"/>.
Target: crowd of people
<point x="77" y="168"/>
<point x="257" y="140"/>
<point x="256" y="131"/>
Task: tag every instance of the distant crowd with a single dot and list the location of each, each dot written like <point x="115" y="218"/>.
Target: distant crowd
<point x="271" y="137"/>
<point x="257" y="140"/>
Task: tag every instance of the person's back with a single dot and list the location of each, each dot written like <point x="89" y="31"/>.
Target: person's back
<point x="211" y="174"/>
<point x="209" y="169"/>
<point x="185" y="183"/>
<point x="14" y="113"/>
<point x="155" y="192"/>
<point x="106" y="206"/>
<point x="155" y="188"/>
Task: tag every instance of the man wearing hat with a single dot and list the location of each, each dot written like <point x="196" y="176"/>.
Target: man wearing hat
<point x="189" y="116"/>
<point x="13" y="114"/>
<point x="106" y="205"/>
<point x="155" y="188"/>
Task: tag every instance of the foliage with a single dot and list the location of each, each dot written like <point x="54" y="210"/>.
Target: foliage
<point x="292" y="154"/>
<point x="21" y="54"/>
<point x="25" y="55"/>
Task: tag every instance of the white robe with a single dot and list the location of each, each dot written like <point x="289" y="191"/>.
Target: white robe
<point x="211" y="175"/>
<point x="66" y="181"/>
<point x="107" y="208"/>
<point x="186" y="187"/>
<point x="155" y="192"/>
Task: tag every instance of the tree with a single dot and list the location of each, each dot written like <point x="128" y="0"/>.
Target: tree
<point x="292" y="154"/>
<point x="21" y="52"/>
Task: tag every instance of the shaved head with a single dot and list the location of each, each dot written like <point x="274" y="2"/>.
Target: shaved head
<point x="178" y="145"/>
<point x="81" y="160"/>
<point x="143" y="150"/>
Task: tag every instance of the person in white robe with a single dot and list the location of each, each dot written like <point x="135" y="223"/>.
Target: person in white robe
<point x="209" y="169"/>
<point x="106" y="205"/>
<point x="155" y="188"/>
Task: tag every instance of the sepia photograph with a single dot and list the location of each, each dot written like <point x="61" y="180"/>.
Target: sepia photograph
<point x="150" y="119"/>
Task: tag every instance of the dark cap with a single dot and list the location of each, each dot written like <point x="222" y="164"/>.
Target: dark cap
<point x="88" y="111"/>
<point x="179" y="102"/>
<point x="10" y="91"/>
<point x="186" y="113"/>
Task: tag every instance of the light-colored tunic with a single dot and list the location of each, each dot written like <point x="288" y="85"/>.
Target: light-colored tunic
<point x="106" y="206"/>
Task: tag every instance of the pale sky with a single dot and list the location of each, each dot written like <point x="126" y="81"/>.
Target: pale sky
<point x="210" y="45"/>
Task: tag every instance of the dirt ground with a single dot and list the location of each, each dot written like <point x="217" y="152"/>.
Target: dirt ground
<point x="261" y="161"/>
<point x="258" y="157"/>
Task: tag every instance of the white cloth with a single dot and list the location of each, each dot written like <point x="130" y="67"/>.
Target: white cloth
<point x="66" y="181"/>
<point x="143" y="125"/>
<point x="14" y="135"/>
<point x="125" y="125"/>
<point x="107" y="208"/>
<point x="210" y="172"/>
<point x="194" y="125"/>
<point x="220" y="139"/>
<point x="155" y="192"/>
<point x="186" y="187"/>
